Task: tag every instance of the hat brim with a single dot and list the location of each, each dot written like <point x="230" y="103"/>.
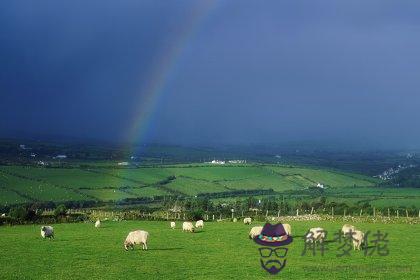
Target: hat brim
<point x="276" y="243"/>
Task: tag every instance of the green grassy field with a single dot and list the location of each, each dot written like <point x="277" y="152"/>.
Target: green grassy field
<point x="20" y="184"/>
<point x="219" y="251"/>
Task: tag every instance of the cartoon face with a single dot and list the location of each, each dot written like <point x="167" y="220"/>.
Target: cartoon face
<point x="273" y="259"/>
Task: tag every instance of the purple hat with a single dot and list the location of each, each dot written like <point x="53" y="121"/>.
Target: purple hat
<point x="273" y="235"/>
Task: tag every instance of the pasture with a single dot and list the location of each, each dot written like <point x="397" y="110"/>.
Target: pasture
<point x="219" y="251"/>
<point x="28" y="183"/>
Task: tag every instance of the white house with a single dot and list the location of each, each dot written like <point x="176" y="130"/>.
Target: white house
<point x="319" y="185"/>
<point x="214" y="161"/>
<point x="123" y="163"/>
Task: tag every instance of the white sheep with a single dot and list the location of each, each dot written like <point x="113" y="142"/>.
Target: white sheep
<point x="98" y="223"/>
<point x="316" y="234"/>
<point x="347" y="229"/>
<point x="3" y="215"/>
<point x="173" y="225"/>
<point x="247" y="221"/>
<point x="235" y="220"/>
<point x="136" y="237"/>
<point x="187" y="226"/>
<point x="255" y="231"/>
<point x="47" y="232"/>
<point x="288" y="229"/>
<point x="199" y="224"/>
<point x="358" y="239"/>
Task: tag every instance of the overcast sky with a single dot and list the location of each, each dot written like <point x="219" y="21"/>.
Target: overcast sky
<point x="228" y="71"/>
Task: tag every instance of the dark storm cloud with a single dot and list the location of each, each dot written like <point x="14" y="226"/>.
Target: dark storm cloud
<point x="251" y="72"/>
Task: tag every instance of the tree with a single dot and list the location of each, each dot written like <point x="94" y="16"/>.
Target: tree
<point x="61" y="210"/>
<point x="18" y="213"/>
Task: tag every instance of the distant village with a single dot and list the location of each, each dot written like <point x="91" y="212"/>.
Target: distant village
<point x="222" y="162"/>
<point x="391" y="172"/>
<point x="123" y="163"/>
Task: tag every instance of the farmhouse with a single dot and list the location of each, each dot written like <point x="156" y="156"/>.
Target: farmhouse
<point x="123" y="163"/>
<point x="319" y="185"/>
<point x="215" y="161"/>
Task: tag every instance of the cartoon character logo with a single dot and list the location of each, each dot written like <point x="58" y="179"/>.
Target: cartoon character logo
<point x="273" y="238"/>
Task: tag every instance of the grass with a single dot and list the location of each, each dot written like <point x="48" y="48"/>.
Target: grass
<point x="8" y="196"/>
<point x="107" y="194"/>
<point x="219" y="251"/>
<point x="30" y="190"/>
<point x="192" y="186"/>
<point x="70" y="177"/>
<point x="22" y="183"/>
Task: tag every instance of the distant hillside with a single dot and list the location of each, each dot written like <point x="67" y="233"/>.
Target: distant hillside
<point x="365" y="162"/>
<point x="19" y="184"/>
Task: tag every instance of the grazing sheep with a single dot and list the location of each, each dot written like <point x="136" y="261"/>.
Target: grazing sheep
<point x="288" y="229"/>
<point x="235" y="220"/>
<point x="98" y="223"/>
<point x="346" y="229"/>
<point x="247" y="221"/>
<point x="316" y="234"/>
<point x="255" y="231"/>
<point x="358" y="238"/>
<point x="187" y="226"/>
<point x="136" y="237"/>
<point x="199" y="224"/>
<point x="172" y="225"/>
<point x="47" y="232"/>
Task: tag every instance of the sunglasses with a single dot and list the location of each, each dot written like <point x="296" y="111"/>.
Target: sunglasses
<point x="266" y="252"/>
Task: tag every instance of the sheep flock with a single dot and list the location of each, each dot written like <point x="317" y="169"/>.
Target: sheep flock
<point x="313" y="235"/>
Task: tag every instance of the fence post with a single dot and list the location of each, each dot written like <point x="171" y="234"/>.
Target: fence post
<point x="220" y="217"/>
<point x="266" y="213"/>
<point x="312" y="210"/>
<point x="419" y="213"/>
<point x="213" y="217"/>
<point x="388" y="213"/>
<point x="278" y="213"/>
<point x="398" y="214"/>
<point x="361" y="212"/>
<point x="374" y="212"/>
<point x="332" y="211"/>
<point x="406" y="213"/>
<point x="297" y="212"/>
<point x="344" y="212"/>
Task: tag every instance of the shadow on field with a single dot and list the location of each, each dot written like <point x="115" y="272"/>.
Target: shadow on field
<point x="303" y="238"/>
<point x="195" y="232"/>
<point x="164" y="249"/>
<point x="330" y="241"/>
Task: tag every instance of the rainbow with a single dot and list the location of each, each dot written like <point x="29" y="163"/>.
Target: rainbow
<point x="151" y="93"/>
